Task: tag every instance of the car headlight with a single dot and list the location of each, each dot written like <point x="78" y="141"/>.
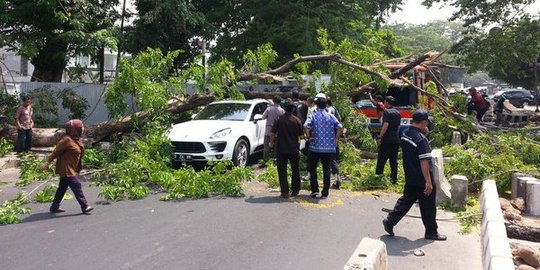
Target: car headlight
<point x="220" y="134"/>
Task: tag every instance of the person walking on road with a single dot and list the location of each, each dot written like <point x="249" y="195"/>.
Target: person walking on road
<point x="418" y="179"/>
<point x="388" y="139"/>
<point x="24" y="124"/>
<point x="322" y="130"/>
<point x="285" y="135"/>
<point x="271" y="114"/>
<point x="68" y="154"/>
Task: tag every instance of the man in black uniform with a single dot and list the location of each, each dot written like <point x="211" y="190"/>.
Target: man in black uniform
<point x="418" y="184"/>
<point x="285" y="134"/>
<point x="388" y="139"/>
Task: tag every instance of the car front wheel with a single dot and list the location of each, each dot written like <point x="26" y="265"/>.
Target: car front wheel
<point x="240" y="153"/>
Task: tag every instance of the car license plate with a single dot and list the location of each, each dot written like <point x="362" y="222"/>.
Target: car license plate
<point x="183" y="157"/>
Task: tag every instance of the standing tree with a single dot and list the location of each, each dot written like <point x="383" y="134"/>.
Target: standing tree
<point x="48" y="32"/>
<point x="509" y="49"/>
<point x="436" y="35"/>
<point x="507" y="53"/>
<point x="290" y="26"/>
<point x="167" y="25"/>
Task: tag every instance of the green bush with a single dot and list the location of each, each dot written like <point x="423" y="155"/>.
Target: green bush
<point x="94" y="158"/>
<point x="493" y="156"/>
<point x="30" y="171"/>
<point x="6" y="147"/>
<point x="47" y="194"/>
<point x="11" y="209"/>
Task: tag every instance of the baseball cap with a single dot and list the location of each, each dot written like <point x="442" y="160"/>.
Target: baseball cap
<point x="320" y="95"/>
<point x="420" y="115"/>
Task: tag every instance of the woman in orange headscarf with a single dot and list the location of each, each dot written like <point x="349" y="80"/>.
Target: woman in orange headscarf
<point x="68" y="154"/>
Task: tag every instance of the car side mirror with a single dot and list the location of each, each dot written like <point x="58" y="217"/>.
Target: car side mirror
<point x="258" y="117"/>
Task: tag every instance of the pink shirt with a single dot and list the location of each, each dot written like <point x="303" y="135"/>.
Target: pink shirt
<point x="24" y="117"/>
<point x="271" y="114"/>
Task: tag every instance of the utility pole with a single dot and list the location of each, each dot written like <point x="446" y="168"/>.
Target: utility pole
<point x="121" y="32"/>
<point x="536" y="83"/>
<point x="202" y="45"/>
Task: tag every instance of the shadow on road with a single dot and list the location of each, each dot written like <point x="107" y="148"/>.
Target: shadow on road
<point x="267" y="199"/>
<point x="46" y="216"/>
<point x="278" y="199"/>
<point x="402" y="246"/>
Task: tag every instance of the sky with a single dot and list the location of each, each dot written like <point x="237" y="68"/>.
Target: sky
<point x="415" y="13"/>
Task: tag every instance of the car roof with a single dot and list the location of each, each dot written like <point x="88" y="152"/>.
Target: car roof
<point x="251" y="101"/>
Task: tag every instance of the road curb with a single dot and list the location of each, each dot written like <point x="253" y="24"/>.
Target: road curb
<point x="370" y="254"/>
<point x="9" y="161"/>
<point x="496" y="252"/>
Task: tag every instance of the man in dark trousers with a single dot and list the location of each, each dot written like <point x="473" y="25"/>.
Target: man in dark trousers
<point x="388" y="139"/>
<point x="418" y="183"/>
<point x="285" y="134"/>
<point x="322" y="130"/>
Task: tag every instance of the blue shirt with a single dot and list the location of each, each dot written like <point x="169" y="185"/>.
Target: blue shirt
<point x="415" y="148"/>
<point x="323" y="126"/>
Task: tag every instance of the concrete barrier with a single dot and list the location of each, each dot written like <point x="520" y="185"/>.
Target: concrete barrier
<point x="369" y="255"/>
<point x="532" y="198"/>
<point x="443" y="187"/>
<point x="9" y="161"/>
<point x="517" y="189"/>
<point x="496" y="252"/>
<point x="459" y="190"/>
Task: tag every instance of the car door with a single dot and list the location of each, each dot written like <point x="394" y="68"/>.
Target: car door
<point x="258" y="127"/>
<point x="513" y="98"/>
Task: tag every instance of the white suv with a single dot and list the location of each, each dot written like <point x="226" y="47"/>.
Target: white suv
<point x="223" y="130"/>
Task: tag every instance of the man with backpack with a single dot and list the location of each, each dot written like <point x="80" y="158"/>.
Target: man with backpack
<point x="301" y="109"/>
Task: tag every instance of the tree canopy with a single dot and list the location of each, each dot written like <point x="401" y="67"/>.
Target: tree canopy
<point x="507" y="53"/>
<point x="167" y="25"/>
<point x="436" y="36"/>
<point x="290" y="26"/>
<point x="509" y="49"/>
<point x="484" y="12"/>
<point x="50" y="31"/>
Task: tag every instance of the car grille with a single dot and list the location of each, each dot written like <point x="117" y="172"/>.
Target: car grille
<point x="189" y="147"/>
<point x="218" y="147"/>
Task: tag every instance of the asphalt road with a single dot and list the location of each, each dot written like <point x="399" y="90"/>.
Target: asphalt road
<point x="259" y="231"/>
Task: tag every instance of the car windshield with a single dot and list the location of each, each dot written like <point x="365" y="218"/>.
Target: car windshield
<point x="224" y="111"/>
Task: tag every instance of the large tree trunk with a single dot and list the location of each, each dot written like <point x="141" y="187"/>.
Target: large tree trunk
<point x="50" y="62"/>
<point x="46" y="137"/>
<point x="518" y="231"/>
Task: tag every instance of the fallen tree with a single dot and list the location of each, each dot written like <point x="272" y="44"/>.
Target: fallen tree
<point x="95" y="133"/>
<point x="47" y="137"/>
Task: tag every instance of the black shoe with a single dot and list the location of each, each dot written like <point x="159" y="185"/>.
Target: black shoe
<point x="56" y="211"/>
<point x="387" y="227"/>
<point x="436" y="237"/>
<point x="284" y="195"/>
<point x="295" y="193"/>
<point x="87" y="210"/>
<point x="314" y="194"/>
